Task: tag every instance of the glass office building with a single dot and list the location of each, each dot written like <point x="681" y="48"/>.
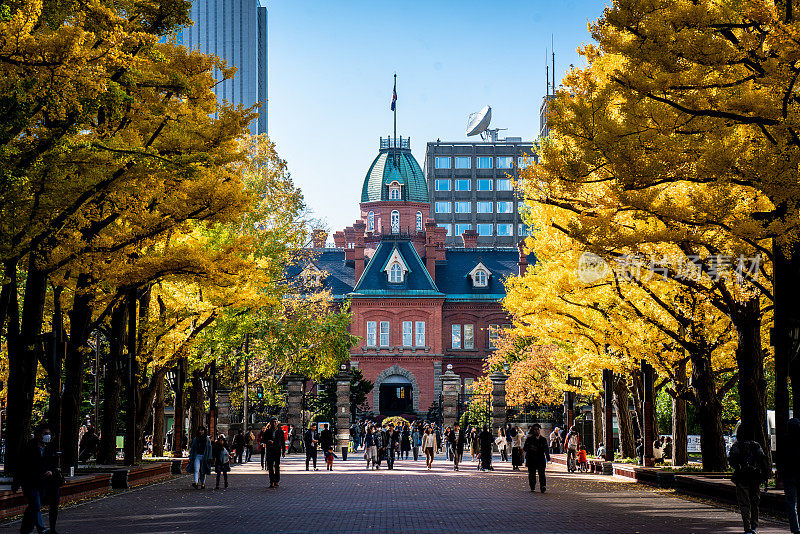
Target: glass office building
<point x="472" y="188"/>
<point x="236" y="31"/>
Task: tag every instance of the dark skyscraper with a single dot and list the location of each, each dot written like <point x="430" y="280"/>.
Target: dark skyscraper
<point x="236" y="31"/>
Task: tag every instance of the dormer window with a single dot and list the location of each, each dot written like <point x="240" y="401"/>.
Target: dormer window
<point x="395" y="273"/>
<point x="394" y="190"/>
<point x="312" y="276"/>
<point x="480" y="275"/>
<point x="396" y="268"/>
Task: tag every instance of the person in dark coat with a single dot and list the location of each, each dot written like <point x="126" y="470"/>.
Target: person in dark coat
<point x="40" y="479"/>
<point x="88" y="445"/>
<point x="310" y="440"/>
<point x="222" y="459"/>
<point x="750" y="470"/>
<point x="405" y="442"/>
<point x="391" y="446"/>
<point x="537" y="454"/>
<point x="275" y="443"/>
<point x="262" y="450"/>
<point x="486" y="442"/>
<point x="326" y="443"/>
<point x="238" y="445"/>
<point x="791" y="473"/>
<point x="379" y="439"/>
<point x="200" y="458"/>
<point x="457" y="441"/>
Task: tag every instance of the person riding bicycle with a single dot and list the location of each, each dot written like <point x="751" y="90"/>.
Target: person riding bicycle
<point x="572" y="444"/>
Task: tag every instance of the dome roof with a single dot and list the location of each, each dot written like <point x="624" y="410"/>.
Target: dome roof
<point x="391" y="165"/>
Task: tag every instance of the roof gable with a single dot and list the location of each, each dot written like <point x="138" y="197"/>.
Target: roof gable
<point x="417" y="282"/>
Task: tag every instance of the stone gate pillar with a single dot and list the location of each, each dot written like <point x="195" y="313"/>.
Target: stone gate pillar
<point x="499" y="415"/>
<point x="451" y="387"/>
<point x="343" y="411"/>
<point x="294" y="408"/>
<point x="223" y="414"/>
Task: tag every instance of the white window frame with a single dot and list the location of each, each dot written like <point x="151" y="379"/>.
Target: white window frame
<point x="448" y="227"/>
<point x="505" y="184"/>
<point x="469" y="337"/>
<point x="455" y="337"/>
<point x="504" y="162"/>
<point x="439" y="162"/>
<point x="462" y="180"/>
<point x="463" y="206"/>
<point x="371" y="221"/>
<point x="395" y="273"/>
<point x="482" y="160"/>
<point x="440" y="182"/>
<point x="419" y="221"/>
<point x="484" y="181"/>
<point x="408" y="335"/>
<point x="484" y="225"/>
<point x="395" y="220"/>
<point x="468" y="226"/>
<point x="481" y="278"/>
<point x="493" y="335"/>
<point x="523" y="230"/>
<point x="420" y="333"/>
<point x="459" y="163"/>
<point x="384" y="333"/>
<point x="505" y="225"/>
<point x="481" y="206"/>
<point x="443" y="206"/>
<point x="505" y="204"/>
<point x="372" y="329"/>
<point x="394" y="193"/>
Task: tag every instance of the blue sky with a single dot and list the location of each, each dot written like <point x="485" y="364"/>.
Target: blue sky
<point x="330" y="79"/>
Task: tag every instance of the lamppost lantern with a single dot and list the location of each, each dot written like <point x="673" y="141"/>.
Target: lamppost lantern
<point x="206" y="384"/>
<point x="505" y="367"/>
<point x="449" y="367"/>
<point x="343" y="367"/>
<point x="578" y="381"/>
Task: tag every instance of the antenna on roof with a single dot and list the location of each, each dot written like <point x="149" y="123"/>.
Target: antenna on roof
<point x="546" y="72"/>
<point x="552" y="48"/>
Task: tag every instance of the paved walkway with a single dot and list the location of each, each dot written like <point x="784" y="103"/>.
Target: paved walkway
<point x="408" y="499"/>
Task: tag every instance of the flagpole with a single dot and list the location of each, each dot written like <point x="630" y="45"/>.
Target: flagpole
<point x="394" y="112"/>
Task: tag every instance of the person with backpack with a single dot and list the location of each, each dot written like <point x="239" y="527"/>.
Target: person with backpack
<point x="791" y="473"/>
<point x="572" y="441"/>
<point x="222" y="459"/>
<point x="750" y="470"/>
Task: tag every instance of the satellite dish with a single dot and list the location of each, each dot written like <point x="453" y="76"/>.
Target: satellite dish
<point x="479" y="122"/>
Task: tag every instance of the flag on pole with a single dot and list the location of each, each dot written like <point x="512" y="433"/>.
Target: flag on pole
<point x="394" y="95"/>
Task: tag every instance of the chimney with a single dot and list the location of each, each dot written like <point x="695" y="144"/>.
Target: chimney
<point x="470" y="238"/>
<point x="523" y="258"/>
<point x="430" y="248"/>
<point x="319" y="237"/>
<point x="349" y="242"/>
<point x="338" y="239"/>
<point x="358" y="249"/>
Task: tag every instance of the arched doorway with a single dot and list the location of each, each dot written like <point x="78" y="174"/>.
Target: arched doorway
<point x="396" y="396"/>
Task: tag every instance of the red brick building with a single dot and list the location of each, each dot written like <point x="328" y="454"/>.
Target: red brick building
<point x="416" y="304"/>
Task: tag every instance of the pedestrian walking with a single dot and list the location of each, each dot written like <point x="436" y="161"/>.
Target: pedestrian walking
<point x="516" y="449"/>
<point x="40" y="479"/>
<point x="791" y="473"/>
<point x="668" y="449"/>
<point x="222" y="459"/>
<point x="537" y="455"/>
<point x="750" y="469"/>
<point x="326" y="443"/>
<point x="554" y="439"/>
<point x="416" y="441"/>
<point x="474" y="446"/>
<point x="370" y="448"/>
<point x="275" y="443"/>
<point x="238" y="445"/>
<point x="502" y="443"/>
<point x="379" y="438"/>
<point x="261" y="449"/>
<point x="310" y="440"/>
<point x="572" y="443"/>
<point x="405" y="441"/>
<point x="89" y="444"/>
<point x="486" y="443"/>
<point x="429" y="446"/>
<point x="457" y="445"/>
<point x="290" y="438"/>
<point x="200" y="458"/>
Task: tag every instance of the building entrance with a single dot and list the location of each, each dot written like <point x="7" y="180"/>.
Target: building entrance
<point x="396" y="396"/>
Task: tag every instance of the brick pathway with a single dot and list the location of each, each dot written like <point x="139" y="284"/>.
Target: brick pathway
<point x="409" y="499"/>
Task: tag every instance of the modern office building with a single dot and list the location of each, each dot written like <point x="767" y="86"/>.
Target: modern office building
<point x="236" y="31"/>
<point x="471" y="187"/>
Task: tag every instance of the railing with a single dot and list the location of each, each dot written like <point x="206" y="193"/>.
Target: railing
<point x="533" y="413"/>
<point x="396" y="142"/>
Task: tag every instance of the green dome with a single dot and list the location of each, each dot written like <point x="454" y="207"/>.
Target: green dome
<point x="385" y="170"/>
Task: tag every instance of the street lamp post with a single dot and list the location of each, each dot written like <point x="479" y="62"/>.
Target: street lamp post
<point x="608" y="394"/>
<point x="246" y="381"/>
<point x="176" y="379"/>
